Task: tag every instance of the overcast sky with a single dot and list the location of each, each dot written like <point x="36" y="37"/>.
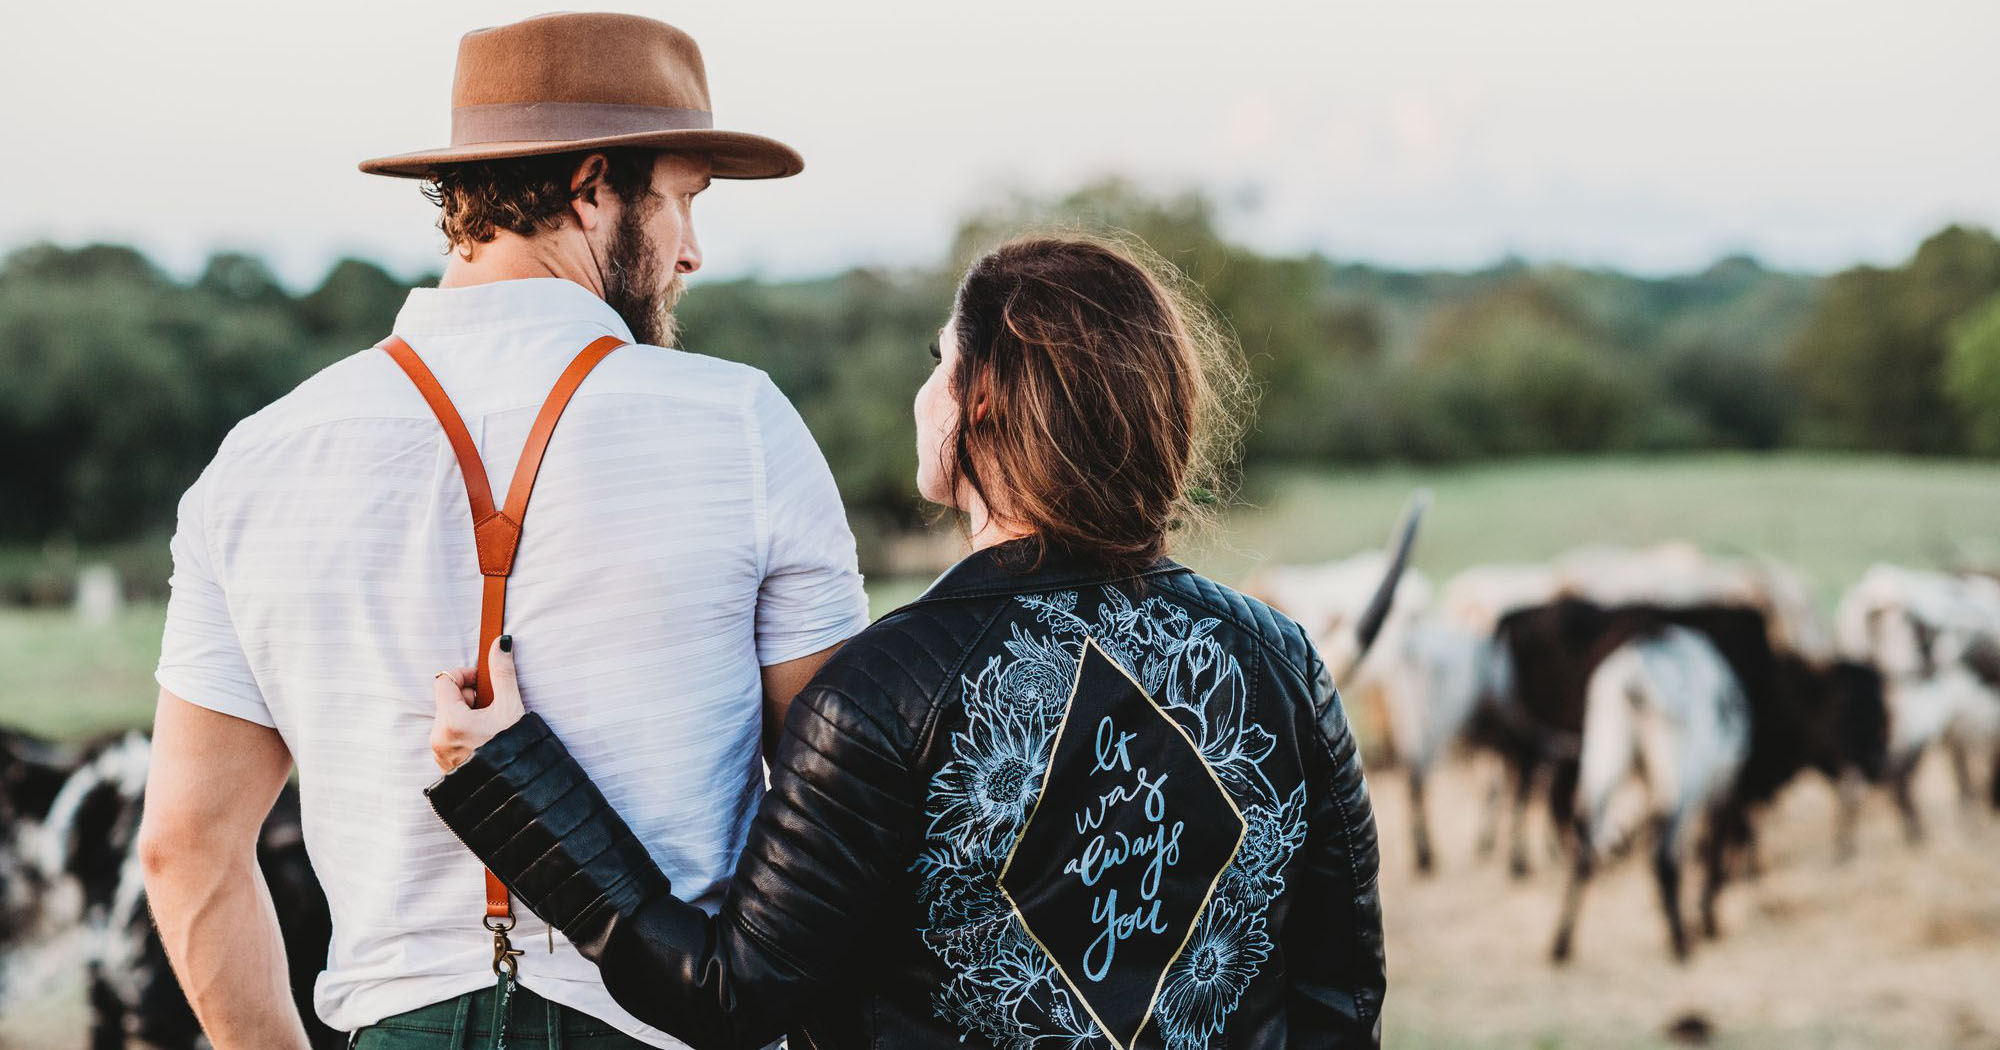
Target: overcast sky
<point x="1651" y="135"/>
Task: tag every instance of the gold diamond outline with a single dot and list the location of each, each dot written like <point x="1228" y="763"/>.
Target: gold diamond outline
<point x="1048" y="770"/>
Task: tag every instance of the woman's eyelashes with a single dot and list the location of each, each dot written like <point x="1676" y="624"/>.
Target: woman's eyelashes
<point x="936" y="354"/>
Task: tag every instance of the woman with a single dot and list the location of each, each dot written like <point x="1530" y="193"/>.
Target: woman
<point x="1075" y="795"/>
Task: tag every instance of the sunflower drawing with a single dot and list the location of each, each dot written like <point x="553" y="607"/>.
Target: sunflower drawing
<point x="1211" y="975"/>
<point x="981" y="796"/>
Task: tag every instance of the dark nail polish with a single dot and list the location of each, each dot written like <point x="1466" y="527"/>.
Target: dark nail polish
<point x="506" y="643"/>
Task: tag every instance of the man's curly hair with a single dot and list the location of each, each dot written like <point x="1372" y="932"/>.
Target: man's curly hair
<point x="526" y="195"/>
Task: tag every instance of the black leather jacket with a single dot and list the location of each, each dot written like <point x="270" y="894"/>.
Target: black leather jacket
<point x="1063" y="808"/>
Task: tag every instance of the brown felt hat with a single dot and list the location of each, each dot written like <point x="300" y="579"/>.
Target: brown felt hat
<point x="561" y="83"/>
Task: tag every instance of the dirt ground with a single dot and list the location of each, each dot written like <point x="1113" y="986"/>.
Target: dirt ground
<point x="1896" y="948"/>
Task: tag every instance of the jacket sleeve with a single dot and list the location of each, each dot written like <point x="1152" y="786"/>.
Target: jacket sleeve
<point x="829" y="846"/>
<point x="1334" y="931"/>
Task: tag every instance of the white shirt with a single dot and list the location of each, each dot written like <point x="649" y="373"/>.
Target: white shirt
<point x="684" y="531"/>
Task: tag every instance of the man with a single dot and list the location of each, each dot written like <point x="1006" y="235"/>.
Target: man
<point x="685" y="563"/>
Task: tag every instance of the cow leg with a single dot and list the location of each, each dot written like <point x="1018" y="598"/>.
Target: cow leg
<point x="1850" y="789"/>
<point x="1667" y="872"/>
<point x="1419" y="822"/>
<point x="1906" y="804"/>
<point x="1563" y="776"/>
<point x="1961" y="769"/>
<point x="1579" y="877"/>
<point x="107" y="1013"/>
<point x="1724" y="826"/>
<point x="1489" y="827"/>
<point x="1993" y="785"/>
<point x="1517" y="841"/>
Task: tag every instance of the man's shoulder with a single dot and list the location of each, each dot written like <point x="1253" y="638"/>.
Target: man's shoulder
<point x="642" y="367"/>
<point x="717" y="385"/>
<point x="351" y="386"/>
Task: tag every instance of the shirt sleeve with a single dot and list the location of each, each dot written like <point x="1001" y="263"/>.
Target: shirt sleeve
<point x="811" y="595"/>
<point x="201" y="658"/>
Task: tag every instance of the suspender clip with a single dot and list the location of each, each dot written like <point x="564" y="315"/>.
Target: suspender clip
<point x="506" y="957"/>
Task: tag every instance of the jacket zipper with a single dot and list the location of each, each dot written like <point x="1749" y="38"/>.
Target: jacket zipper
<point x="475" y="855"/>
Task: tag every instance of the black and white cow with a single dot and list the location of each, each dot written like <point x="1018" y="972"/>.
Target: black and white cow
<point x="1937" y="638"/>
<point x="75" y="829"/>
<point x="1663" y="707"/>
<point x="1801" y="714"/>
<point x="32" y="772"/>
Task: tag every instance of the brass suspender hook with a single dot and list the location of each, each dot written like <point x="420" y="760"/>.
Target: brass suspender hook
<point x="506" y="957"/>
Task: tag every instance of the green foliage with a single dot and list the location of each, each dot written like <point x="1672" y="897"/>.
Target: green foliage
<point x="122" y="380"/>
<point x="1870" y="363"/>
<point x="1972" y="376"/>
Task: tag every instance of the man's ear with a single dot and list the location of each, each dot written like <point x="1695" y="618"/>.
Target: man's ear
<point x="584" y="183"/>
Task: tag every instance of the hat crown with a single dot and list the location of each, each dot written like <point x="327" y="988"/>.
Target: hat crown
<point x="612" y="59"/>
<point x="571" y="82"/>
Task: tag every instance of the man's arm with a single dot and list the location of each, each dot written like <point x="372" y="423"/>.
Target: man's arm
<point x="782" y="682"/>
<point x="212" y="782"/>
<point x="810" y="601"/>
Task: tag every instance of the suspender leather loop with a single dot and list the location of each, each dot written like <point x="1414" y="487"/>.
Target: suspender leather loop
<point x="497" y="531"/>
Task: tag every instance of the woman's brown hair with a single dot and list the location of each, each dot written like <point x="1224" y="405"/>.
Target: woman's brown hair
<point x="1109" y="397"/>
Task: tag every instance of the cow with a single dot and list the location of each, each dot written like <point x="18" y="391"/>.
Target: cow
<point x="1540" y="668"/>
<point x="1803" y="713"/>
<point x="32" y="772"/>
<point x="77" y="839"/>
<point x="1937" y="638"/>
<point x="1665" y="707"/>
<point x="1438" y="681"/>
<point x="1434" y="690"/>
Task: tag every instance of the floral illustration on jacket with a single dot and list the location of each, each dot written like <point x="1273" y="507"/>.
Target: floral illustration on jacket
<point x="1003" y="986"/>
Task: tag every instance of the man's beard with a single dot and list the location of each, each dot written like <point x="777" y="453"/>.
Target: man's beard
<point x="632" y="283"/>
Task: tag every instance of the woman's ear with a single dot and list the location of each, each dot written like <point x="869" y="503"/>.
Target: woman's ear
<point x="979" y="405"/>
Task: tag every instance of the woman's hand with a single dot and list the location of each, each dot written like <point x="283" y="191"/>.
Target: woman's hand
<point x="459" y="730"/>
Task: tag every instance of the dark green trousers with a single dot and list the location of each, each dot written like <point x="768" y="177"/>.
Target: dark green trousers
<point x="468" y="1023"/>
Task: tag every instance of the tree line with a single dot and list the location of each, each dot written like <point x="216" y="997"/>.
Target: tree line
<point x="122" y="379"/>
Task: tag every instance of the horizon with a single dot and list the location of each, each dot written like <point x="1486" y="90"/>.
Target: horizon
<point x="187" y="271"/>
<point x="1439" y="135"/>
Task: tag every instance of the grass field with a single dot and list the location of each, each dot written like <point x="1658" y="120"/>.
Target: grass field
<point x="60" y="678"/>
<point x="1831" y="516"/>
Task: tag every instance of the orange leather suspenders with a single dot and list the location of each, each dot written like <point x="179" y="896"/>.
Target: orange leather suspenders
<point x="497" y="532"/>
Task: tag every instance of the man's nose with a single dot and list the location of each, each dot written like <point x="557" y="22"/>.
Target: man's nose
<point x="690" y="257"/>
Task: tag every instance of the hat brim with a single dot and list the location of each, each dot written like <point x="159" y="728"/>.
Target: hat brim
<point x="736" y="154"/>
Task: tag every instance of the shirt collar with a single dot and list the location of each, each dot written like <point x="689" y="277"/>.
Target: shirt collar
<point x="506" y="304"/>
